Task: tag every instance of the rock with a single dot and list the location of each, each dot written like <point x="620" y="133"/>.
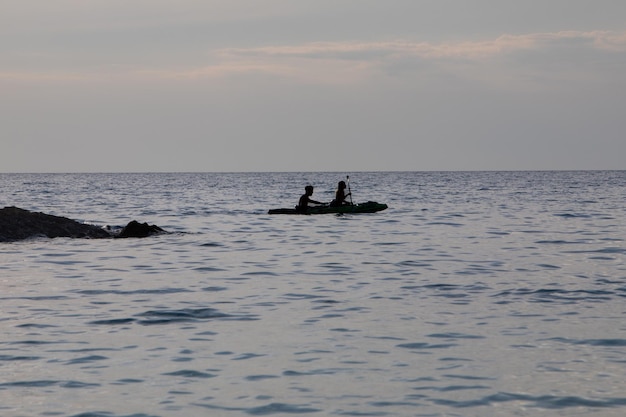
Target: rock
<point x="18" y="224"/>
<point x="136" y="229"/>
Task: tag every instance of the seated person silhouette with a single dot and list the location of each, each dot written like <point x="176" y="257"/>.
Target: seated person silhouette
<point x="303" y="203"/>
<point x="340" y="195"/>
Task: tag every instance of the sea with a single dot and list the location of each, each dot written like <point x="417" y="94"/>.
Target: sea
<point x="474" y="294"/>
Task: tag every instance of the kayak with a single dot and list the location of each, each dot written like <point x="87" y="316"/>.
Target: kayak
<point x="369" y="207"/>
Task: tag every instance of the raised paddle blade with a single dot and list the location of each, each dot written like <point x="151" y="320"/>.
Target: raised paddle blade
<point x="349" y="192"/>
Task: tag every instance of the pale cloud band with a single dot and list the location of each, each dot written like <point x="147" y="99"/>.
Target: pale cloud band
<point x="340" y="62"/>
<point x="603" y="40"/>
<point x="497" y="61"/>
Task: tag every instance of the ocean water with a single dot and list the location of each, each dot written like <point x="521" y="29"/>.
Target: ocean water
<point x="474" y="294"/>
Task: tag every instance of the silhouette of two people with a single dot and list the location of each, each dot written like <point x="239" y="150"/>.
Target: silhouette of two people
<point x="340" y="198"/>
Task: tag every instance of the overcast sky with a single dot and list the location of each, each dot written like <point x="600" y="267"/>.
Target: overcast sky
<point x="312" y="85"/>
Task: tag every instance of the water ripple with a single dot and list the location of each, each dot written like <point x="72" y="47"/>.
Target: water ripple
<point x="421" y="345"/>
<point x="186" y="373"/>
<point x="47" y="383"/>
<point x="591" y="342"/>
<point x="541" y="401"/>
<point x="108" y="414"/>
<point x="187" y="314"/>
<point x="133" y="292"/>
<point x="276" y="408"/>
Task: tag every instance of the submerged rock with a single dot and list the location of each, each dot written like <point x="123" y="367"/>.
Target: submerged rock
<point x="18" y="224"/>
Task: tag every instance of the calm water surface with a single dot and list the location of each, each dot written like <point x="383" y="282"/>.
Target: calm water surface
<point x="474" y="294"/>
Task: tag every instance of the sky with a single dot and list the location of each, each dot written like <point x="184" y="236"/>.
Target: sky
<point x="312" y="85"/>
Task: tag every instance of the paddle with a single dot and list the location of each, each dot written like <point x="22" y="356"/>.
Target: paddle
<point x="349" y="192"/>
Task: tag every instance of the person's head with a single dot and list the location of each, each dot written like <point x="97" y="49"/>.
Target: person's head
<point x="342" y="185"/>
<point x="308" y="189"/>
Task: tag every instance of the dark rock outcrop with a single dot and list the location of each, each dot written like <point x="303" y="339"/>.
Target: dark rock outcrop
<point x="18" y="224"/>
<point x="136" y="229"/>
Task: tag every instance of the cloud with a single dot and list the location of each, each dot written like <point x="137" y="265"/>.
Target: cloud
<point x="499" y="60"/>
<point x="505" y="60"/>
<point x="472" y="50"/>
<point x="345" y="62"/>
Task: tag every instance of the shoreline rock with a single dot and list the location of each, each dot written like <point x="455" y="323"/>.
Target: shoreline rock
<point x="18" y="224"/>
